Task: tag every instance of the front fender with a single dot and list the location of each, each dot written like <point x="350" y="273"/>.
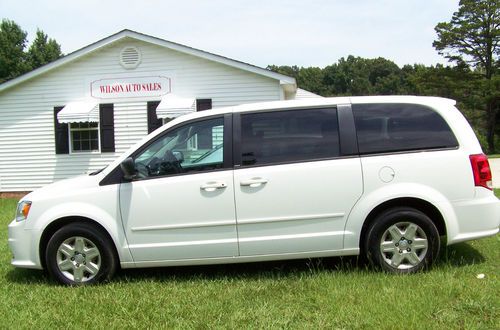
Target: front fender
<point x="107" y="218"/>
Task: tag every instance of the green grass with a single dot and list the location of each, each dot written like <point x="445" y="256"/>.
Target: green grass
<point x="494" y="156"/>
<point x="321" y="293"/>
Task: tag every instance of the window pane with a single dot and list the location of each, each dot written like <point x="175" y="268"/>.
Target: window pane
<point x="94" y="145"/>
<point x="287" y="136"/>
<point x="185" y="149"/>
<point x="76" y="145"/>
<point x="399" y="127"/>
<point x="84" y="139"/>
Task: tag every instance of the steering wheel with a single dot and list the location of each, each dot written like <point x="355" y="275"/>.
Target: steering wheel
<point x="170" y="164"/>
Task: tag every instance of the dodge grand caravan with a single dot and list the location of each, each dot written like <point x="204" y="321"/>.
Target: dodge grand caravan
<point x="386" y="177"/>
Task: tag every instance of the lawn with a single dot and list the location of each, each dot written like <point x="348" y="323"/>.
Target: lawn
<point x="321" y="293"/>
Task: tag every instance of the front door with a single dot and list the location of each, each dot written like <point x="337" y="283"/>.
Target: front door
<point x="181" y="205"/>
<point x="293" y="190"/>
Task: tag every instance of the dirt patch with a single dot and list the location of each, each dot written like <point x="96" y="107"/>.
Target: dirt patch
<point x="14" y="194"/>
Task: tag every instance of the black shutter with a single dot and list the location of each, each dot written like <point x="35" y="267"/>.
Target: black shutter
<point x="107" y="127"/>
<point x="205" y="138"/>
<point x="203" y="104"/>
<point x="61" y="134"/>
<point x="153" y="121"/>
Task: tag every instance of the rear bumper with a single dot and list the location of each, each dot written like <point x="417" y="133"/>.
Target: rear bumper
<point x="23" y="244"/>
<point x="476" y="218"/>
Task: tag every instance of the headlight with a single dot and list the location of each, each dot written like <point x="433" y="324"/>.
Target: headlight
<point x="23" y="208"/>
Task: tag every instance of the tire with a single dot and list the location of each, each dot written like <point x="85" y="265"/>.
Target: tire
<point x="402" y="240"/>
<point x="80" y="254"/>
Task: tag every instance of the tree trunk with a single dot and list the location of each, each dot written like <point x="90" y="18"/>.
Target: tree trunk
<point x="490" y="136"/>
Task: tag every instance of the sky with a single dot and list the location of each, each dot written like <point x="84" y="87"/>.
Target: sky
<point x="304" y="33"/>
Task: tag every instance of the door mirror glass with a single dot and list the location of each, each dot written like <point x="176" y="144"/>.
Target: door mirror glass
<point x="128" y="168"/>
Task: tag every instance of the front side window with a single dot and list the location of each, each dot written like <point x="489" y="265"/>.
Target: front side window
<point x="84" y="136"/>
<point x="385" y="128"/>
<point x="289" y="136"/>
<point x="193" y="147"/>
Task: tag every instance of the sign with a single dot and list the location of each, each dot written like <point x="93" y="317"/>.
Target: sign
<point x="113" y="88"/>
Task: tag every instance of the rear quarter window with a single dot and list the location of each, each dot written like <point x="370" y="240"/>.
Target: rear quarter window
<point x="383" y="128"/>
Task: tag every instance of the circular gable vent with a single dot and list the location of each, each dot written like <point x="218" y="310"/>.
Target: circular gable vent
<point x="130" y="57"/>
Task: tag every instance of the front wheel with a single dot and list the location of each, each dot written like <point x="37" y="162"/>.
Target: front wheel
<point x="402" y="240"/>
<point x="79" y="254"/>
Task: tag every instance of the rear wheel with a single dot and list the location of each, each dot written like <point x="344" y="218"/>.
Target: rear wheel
<point x="402" y="240"/>
<point x="79" y="254"/>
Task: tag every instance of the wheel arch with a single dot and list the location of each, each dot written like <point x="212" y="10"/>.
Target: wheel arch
<point x="64" y="221"/>
<point x="419" y="204"/>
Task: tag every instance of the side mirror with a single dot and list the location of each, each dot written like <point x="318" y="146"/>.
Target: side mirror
<point x="128" y="169"/>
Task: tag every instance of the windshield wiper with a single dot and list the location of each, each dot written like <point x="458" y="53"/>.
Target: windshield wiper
<point x="98" y="171"/>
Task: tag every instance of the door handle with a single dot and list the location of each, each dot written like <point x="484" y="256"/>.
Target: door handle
<point x="213" y="185"/>
<point x="253" y="182"/>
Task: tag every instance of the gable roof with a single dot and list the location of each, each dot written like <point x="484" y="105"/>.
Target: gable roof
<point x="288" y="83"/>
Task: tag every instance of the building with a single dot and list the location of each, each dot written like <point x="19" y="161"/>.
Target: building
<point x="78" y="113"/>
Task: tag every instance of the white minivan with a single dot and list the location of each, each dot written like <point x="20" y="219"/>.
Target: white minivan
<point x="381" y="176"/>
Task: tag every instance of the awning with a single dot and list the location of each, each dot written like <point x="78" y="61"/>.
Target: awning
<point x="172" y="106"/>
<point x="79" y="112"/>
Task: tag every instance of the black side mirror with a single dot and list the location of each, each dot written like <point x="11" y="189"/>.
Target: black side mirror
<point x="128" y="169"/>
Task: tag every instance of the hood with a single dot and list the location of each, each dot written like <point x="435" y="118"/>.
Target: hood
<point x="64" y="187"/>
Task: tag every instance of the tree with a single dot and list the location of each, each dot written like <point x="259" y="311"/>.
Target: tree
<point x="349" y="76"/>
<point x="311" y="79"/>
<point x="12" y="55"/>
<point x="14" y="60"/>
<point x="43" y="50"/>
<point x="473" y="37"/>
<point x="362" y="76"/>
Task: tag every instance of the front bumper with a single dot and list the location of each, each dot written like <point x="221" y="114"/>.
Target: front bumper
<point x="23" y="244"/>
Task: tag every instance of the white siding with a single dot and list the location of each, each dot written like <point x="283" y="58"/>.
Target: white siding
<point x="303" y="94"/>
<point x="27" y="149"/>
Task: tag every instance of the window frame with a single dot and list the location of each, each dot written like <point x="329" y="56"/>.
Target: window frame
<point x="344" y="117"/>
<point x="70" y="139"/>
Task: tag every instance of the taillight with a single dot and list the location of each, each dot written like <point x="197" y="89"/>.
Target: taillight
<point x="481" y="171"/>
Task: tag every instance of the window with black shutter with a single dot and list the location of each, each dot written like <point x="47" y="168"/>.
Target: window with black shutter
<point x="153" y="121"/>
<point x="61" y="134"/>
<point x="79" y="137"/>
<point x="203" y="104"/>
<point x="107" y="127"/>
